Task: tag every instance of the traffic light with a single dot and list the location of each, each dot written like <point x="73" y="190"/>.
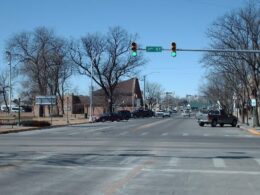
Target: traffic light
<point x="173" y="49"/>
<point x="134" y="49"/>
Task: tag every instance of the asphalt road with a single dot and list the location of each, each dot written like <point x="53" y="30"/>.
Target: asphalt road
<point x="140" y="156"/>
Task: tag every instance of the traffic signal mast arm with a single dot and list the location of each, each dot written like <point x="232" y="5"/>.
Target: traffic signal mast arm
<point x="174" y="50"/>
<point x="222" y="50"/>
<point x="210" y="50"/>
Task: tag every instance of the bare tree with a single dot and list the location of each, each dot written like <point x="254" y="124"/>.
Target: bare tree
<point x="4" y="88"/>
<point x="110" y="58"/>
<point x="237" y="30"/>
<point x="44" y="61"/>
<point x="154" y="93"/>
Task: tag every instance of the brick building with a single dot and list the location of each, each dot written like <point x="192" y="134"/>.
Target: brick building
<point x="127" y="96"/>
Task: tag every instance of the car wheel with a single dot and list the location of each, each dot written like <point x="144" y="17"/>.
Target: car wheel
<point x="103" y="120"/>
<point x="214" y="123"/>
<point x="201" y="124"/>
<point x="222" y="125"/>
<point x="234" y="123"/>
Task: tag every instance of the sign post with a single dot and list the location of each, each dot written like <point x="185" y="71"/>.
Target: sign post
<point x="46" y="100"/>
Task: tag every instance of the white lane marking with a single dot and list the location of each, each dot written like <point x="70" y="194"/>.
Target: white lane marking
<point x="128" y="160"/>
<point x="205" y="135"/>
<point x="124" y="133"/>
<point x="82" y="168"/>
<point x="151" y="124"/>
<point x="89" y="131"/>
<point x="98" y="129"/>
<point x="219" y="163"/>
<point x="73" y="133"/>
<point x="257" y="160"/>
<point x="224" y="172"/>
<point x="174" y="161"/>
<point x="185" y="134"/>
<point x="145" y="133"/>
<point x="164" y="134"/>
<point x="40" y="157"/>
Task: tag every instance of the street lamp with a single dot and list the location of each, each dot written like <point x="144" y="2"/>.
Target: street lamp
<point x="8" y="53"/>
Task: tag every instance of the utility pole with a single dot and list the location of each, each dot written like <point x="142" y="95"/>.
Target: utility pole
<point x="10" y="79"/>
<point x="144" y="91"/>
<point x="67" y="109"/>
<point x="91" y="93"/>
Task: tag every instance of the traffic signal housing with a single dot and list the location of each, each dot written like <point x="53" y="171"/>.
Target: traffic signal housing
<point x="134" y="49"/>
<point x="174" y="49"/>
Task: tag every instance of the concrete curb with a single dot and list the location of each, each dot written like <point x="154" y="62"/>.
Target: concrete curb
<point x="251" y="130"/>
<point x="36" y="128"/>
<point x="254" y="131"/>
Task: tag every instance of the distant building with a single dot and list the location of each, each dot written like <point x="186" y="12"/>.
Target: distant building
<point x="127" y="95"/>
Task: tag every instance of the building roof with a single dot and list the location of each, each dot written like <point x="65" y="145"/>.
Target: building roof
<point x="123" y="92"/>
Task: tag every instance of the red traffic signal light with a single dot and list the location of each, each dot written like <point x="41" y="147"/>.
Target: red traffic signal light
<point x="134" y="49"/>
<point x="173" y="49"/>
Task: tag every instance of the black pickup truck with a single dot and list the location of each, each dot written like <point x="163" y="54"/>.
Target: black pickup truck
<point x="217" y="117"/>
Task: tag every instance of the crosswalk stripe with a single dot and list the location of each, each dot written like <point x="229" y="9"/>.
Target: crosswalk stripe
<point x="174" y="161"/>
<point x="219" y="163"/>
<point x="128" y="160"/>
<point x="124" y="133"/>
<point x="257" y="160"/>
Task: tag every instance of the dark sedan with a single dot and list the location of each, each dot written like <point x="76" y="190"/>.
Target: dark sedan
<point x="109" y="117"/>
<point x="142" y="113"/>
<point x="125" y="114"/>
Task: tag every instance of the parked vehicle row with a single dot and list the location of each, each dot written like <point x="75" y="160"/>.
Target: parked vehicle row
<point x="140" y="113"/>
<point x="13" y="109"/>
<point x="125" y="115"/>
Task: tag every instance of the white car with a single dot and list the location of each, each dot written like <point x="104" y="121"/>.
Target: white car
<point x="166" y="114"/>
<point x="159" y="113"/>
<point x="162" y="113"/>
<point x="185" y="113"/>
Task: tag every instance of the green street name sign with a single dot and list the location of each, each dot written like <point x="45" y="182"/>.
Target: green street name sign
<point x="153" y="49"/>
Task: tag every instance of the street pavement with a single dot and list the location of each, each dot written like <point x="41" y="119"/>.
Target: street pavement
<point x="140" y="156"/>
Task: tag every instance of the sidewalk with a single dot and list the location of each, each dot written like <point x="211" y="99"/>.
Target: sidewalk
<point x="56" y="122"/>
<point x="250" y="129"/>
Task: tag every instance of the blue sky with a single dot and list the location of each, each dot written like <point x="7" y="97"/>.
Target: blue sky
<point x="157" y="22"/>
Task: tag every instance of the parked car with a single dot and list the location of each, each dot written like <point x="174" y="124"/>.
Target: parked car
<point x="159" y="113"/>
<point x="174" y="111"/>
<point x="109" y="117"/>
<point x="125" y="114"/>
<point x="166" y="114"/>
<point x="142" y="113"/>
<point x="162" y="113"/>
<point x="218" y="117"/>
